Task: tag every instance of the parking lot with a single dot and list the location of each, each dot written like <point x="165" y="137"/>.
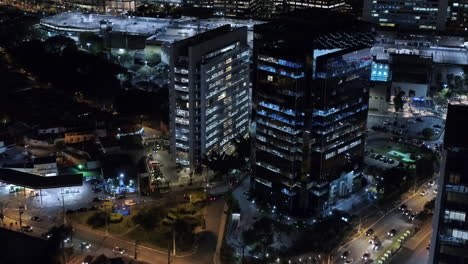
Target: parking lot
<point x="406" y="127"/>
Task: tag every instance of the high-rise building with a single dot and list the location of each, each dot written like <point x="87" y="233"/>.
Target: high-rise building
<point x="209" y="92"/>
<point x="457" y="20"/>
<point x="449" y="242"/>
<point x="310" y="95"/>
<point x="406" y="15"/>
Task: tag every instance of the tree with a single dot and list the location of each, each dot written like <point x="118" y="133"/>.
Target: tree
<point x="424" y="168"/>
<point x="57" y="44"/>
<point x="260" y="236"/>
<point x="149" y="217"/>
<point x="398" y="101"/>
<point x="428" y="133"/>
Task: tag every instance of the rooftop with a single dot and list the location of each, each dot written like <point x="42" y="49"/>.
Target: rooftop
<point x="165" y="29"/>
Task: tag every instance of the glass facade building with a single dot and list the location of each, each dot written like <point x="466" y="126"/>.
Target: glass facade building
<point x="209" y="93"/>
<point x="410" y="15"/>
<point x="449" y="242"/>
<point x="310" y="95"/>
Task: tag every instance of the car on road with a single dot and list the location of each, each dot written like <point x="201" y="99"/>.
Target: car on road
<point x="423" y="193"/>
<point x="390" y="161"/>
<point x="412" y="216"/>
<point x="369" y="232"/>
<point x="35" y="218"/>
<point x="391" y="233"/>
<point x="373" y="156"/>
<point x="86" y="245"/>
<point x="366" y="256"/>
<point x="67" y="240"/>
<point x="407" y="212"/>
<point x="377" y="245"/>
<point x="373" y="240"/>
<point x="87" y="260"/>
<point x="411" y="121"/>
<point x="402" y="207"/>
<point x="435" y="191"/>
<point x="345" y="255"/>
<point x="349" y="261"/>
<point x="27" y="228"/>
<point x="47" y="235"/>
<point x="118" y="250"/>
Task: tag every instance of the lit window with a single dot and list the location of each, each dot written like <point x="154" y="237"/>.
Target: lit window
<point x="270" y="78"/>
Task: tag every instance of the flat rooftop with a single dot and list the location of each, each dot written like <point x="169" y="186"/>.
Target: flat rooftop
<point x="163" y="29"/>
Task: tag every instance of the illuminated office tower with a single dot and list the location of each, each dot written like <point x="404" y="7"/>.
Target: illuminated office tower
<point x="310" y="96"/>
<point x="209" y="93"/>
<point x="449" y="242"/>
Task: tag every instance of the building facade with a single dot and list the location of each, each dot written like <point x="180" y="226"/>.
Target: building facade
<point x="406" y="15"/>
<point x="457" y="16"/>
<point x="449" y="242"/>
<point x="209" y="93"/>
<point x="310" y="96"/>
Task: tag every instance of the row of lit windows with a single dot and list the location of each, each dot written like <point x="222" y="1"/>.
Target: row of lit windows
<point x="453" y="215"/>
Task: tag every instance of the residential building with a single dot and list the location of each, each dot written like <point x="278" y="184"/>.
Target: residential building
<point x="310" y="96"/>
<point x="77" y="137"/>
<point x="406" y="15"/>
<point x="46" y="166"/>
<point x="209" y="92"/>
<point x="449" y="242"/>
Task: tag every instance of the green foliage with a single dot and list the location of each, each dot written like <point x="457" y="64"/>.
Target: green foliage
<point x="115" y="218"/>
<point x="260" y="236"/>
<point x="428" y="133"/>
<point x="98" y="219"/>
<point x="232" y="203"/>
<point x="323" y="236"/>
<point x="398" y="101"/>
<point x="425" y="167"/>
<point x="149" y="217"/>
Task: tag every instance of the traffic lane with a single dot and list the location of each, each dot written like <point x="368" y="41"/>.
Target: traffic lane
<point x="394" y="220"/>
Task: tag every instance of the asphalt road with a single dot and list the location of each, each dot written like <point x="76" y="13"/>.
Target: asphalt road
<point x="387" y="221"/>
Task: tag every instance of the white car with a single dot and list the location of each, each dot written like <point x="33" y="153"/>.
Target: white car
<point x="129" y="202"/>
<point x="118" y="250"/>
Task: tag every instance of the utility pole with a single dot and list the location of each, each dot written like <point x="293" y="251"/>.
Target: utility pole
<point x="136" y="249"/>
<point x="20" y="219"/>
<point x="173" y="241"/>
<point x="63" y="209"/>
<point x="168" y="252"/>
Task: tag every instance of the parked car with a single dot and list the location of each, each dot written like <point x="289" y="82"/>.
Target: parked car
<point x="366" y="256"/>
<point x="369" y="232"/>
<point x="35" y="218"/>
<point x="402" y="207"/>
<point x="411" y="216"/>
<point x="391" y="233"/>
<point x="87" y="260"/>
<point x="86" y="245"/>
<point x="129" y="202"/>
<point x="27" y="228"/>
<point x="118" y="250"/>
<point x="345" y="255"/>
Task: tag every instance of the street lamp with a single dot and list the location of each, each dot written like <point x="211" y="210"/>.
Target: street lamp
<point x="88" y="44"/>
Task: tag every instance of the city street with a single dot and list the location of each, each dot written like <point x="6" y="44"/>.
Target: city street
<point x="393" y="219"/>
